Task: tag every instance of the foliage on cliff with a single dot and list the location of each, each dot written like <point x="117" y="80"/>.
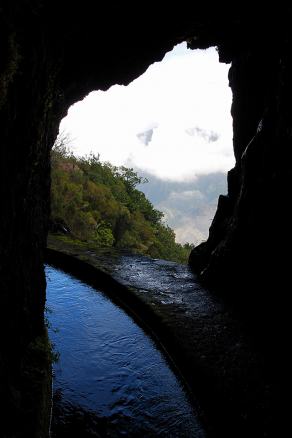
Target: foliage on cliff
<point x="98" y="203"/>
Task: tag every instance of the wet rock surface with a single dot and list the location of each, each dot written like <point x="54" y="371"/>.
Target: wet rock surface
<point x="217" y="356"/>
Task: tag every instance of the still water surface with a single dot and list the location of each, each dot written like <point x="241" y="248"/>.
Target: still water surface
<point x="110" y="379"/>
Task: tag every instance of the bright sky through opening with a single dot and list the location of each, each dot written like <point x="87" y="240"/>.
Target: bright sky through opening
<point x="173" y="121"/>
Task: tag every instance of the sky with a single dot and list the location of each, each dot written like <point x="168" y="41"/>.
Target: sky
<point x="173" y="123"/>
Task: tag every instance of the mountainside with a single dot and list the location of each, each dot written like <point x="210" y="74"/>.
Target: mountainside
<point x="99" y="204"/>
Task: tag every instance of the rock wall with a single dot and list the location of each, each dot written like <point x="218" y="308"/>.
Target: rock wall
<point x="28" y="128"/>
<point x="245" y="254"/>
<point x="54" y="53"/>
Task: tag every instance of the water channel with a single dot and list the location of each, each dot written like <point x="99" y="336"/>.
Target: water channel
<point x="110" y="379"/>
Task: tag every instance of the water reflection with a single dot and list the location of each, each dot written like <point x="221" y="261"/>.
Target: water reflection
<point x="110" y="380"/>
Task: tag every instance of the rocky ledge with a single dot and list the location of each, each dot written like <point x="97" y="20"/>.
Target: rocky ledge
<point x="212" y="348"/>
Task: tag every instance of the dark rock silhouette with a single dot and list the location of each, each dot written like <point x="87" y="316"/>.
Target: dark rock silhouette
<point x="53" y="54"/>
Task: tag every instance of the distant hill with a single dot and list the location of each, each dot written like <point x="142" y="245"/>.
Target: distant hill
<point x="188" y="207"/>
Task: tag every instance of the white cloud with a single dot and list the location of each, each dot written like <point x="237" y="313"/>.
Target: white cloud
<point x="186" y="195"/>
<point x="146" y="136"/>
<point x="186" y="93"/>
<point x="210" y="136"/>
<point x="189" y="233"/>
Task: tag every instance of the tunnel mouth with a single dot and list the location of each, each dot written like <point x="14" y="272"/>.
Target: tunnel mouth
<point x="147" y="134"/>
<point x="81" y="179"/>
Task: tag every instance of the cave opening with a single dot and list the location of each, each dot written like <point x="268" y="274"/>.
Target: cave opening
<point x="171" y="127"/>
<point x="126" y="156"/>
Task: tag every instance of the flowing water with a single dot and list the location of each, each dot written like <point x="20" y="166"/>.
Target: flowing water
<point x="110" y="379"/>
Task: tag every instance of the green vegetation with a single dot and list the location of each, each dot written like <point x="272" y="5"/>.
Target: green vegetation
<point x="98" y="204"/>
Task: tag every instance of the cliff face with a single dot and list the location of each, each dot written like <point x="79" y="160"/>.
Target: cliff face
<point x="245" y="256"/>
<point x="53" y="55"/>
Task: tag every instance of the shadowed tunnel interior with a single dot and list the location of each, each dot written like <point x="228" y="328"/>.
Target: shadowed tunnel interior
<point x="53" y="55"/>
